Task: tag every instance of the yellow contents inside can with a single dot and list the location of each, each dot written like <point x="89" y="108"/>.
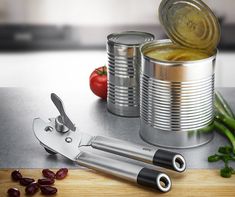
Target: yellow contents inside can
<point x="171" y="52"/>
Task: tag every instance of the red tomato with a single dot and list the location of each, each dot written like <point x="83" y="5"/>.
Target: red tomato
<point x="98" y="82"/>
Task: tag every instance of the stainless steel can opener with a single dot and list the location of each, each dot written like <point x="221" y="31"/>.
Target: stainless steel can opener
<point x="60" y="135"/>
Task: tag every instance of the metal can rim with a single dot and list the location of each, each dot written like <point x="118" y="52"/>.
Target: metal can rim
<point x="109" y="42"/>
<point x="167" y="62"/>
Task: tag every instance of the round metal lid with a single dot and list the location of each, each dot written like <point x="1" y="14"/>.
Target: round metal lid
<point x="190" y="23"/>
<point x="131" y="38"/>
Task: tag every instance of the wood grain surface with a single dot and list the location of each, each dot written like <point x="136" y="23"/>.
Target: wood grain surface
<point x="82" y="182"/>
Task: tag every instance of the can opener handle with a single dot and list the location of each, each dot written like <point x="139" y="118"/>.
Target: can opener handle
<point x="66" y="144"/>
<point x="157" y="157"/>
<point x="154" y="156"/>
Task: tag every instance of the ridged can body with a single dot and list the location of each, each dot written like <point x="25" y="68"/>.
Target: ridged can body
<point x="176" y="100"/>
<point x="124" y="61"/>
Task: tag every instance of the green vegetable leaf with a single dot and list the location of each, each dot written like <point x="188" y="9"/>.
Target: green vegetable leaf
<point x="223" y="105"/>
<point x="221" y="128"/>
<point x="223" y="122"/>
<point x="225" y="150"/>
<point x="214" y="158"/>
<point x="226" y="158"/>
<point x="226" y="172"/>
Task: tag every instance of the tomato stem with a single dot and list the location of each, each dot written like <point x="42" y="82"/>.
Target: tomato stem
<point x="101" y="72"/>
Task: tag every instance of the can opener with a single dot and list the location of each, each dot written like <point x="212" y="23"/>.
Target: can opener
<point x="60" y="135"/>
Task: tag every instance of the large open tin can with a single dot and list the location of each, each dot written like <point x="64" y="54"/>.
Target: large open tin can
<point x="177" y="91"/>
<point x="176" y="99"/>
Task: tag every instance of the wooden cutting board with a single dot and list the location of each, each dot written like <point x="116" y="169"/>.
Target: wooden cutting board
<point x="80" y="182"/>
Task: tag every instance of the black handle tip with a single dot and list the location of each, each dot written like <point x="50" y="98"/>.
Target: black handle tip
<point x="169" y="160"/>
<point x="155" y="179"/>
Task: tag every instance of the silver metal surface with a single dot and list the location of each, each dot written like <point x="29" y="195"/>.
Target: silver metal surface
<point x="123" y="71"/>
<point x="20" y="149"/>
<point x="124" y="148"/>
<point x="57" y="142"/>
<point x="68" y="139"/>
<point x="54" y="140"/>
<point x="117" y="168"/>
<point x="174" y="139"/>
<point x="111" y="145"/>
<point x="176" y="99"/>
<point x="119" y="147"/>
<point x="134" y="151"/>
<point x="115" y="146"/>
<point x="59" y="125"/>
<point x="63" y="119"/>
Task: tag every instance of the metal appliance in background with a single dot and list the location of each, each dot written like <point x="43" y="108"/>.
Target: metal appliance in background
<point x="177" y="96"/>
<point x="124" y="61"/>
<point x="59" y="135"/>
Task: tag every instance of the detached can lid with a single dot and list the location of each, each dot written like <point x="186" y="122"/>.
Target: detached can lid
<point x="190" y="23"/>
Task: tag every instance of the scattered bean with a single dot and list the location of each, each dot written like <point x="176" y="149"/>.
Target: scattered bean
<point x="46" y="181"/>
<point x="16" y="175"/>
<point x="48" y="173"/>
<point x="31" y="189"/>
<point x="48" y="190"/>
<point x="13" y="192"/>
<point x="26" y="181"/>
<point x="61" y="173"/>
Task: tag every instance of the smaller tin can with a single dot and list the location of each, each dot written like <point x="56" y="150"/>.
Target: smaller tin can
<point x="124" y="61"/>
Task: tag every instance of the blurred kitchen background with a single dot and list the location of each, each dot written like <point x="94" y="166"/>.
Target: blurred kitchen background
<point x="45" y="43"/>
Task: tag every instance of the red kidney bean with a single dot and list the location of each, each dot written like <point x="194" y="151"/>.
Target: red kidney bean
<point x="26" y="181"/>
<point x="48" y="173"/>
<point x="13" y="192"/>
<point x="16" y="175"/>
<point x="61" y="173"/>
<point x="48" y="190"/>
<point x="46" y="181"/>
<point x="31" y="189"/>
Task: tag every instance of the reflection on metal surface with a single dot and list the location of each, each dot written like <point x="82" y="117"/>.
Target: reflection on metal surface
<point x="63" y="123"/>
<point x="68" y="139"/>
<point x="48" y="128"/>
<point x="185" y="139"/>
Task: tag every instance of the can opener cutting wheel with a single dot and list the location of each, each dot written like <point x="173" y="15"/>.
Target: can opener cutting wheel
<point x="59" y="135"/>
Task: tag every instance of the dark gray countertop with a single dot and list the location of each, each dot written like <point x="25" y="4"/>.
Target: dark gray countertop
<point x="20" y="149"/>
